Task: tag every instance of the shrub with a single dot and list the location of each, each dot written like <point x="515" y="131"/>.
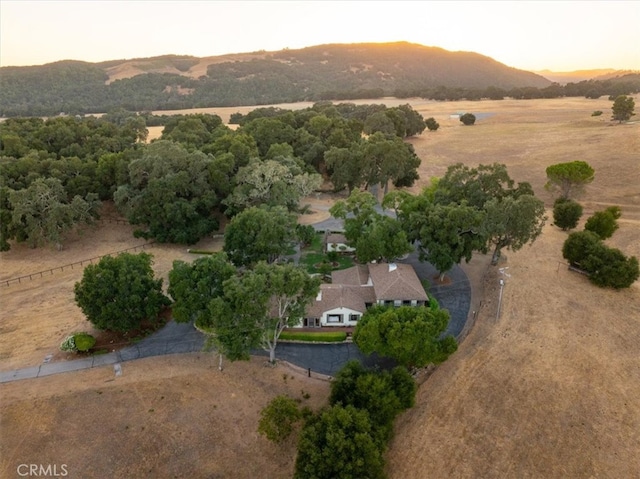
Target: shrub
<point x="607" y="267"/>
<point x="84" y="341"/>
<point x="432" y="124"/>
<point x="610" y="268"/>
<point x="566" y="213"/>
<point x="78" y="342"/>
<point x="278" y="418"/>
<point x="603" y="223"/>
<point x="333" y="256"/>
<point x="468" y="119"/>
<point x="596" y="113"/>
<point x="578" y="246"/>
<point x="340" y="442"/>
<point x="382" y="394"/>
<point x="69" y="345"/>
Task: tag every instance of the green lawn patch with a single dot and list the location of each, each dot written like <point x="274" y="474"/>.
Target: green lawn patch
<point x="316" y="245"/>
<point x="312" y="262"/>
<point x="324" y="337"/>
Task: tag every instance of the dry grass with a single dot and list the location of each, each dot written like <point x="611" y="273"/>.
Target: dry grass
<point x="550" y="389"/>
<point x="175" y="416"/>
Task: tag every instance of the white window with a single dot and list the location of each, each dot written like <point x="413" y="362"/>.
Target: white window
<point x="334" y="318"/>
<point x="354" y="317"/>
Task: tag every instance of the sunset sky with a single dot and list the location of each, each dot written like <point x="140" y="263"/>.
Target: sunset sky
<point x="554" y="35"/>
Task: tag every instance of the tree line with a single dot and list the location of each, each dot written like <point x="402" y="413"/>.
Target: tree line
<point x="55" y="172"/>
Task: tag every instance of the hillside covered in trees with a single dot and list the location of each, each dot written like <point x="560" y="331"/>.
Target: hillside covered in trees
<point x="322" y="72"/>
<point x="326" y="72"/>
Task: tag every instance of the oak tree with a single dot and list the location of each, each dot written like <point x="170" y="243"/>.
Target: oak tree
<point x="410" y="335"/>
<point x="623" y="108"/>
<point x="119" y="293"/>
<point x="259" y="234"/>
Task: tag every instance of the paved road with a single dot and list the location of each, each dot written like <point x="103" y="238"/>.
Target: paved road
<point x="326" y="359"/>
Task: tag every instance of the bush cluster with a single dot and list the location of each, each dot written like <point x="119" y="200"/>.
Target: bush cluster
<point x="78" y="342"/>
<point x="607" y="267"/>
<point x="348" y="439"/>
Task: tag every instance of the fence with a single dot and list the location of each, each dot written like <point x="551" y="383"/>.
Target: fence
<point x="81" y="263"/>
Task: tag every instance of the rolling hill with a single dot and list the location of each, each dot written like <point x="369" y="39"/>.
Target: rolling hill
<point x="583" y="75"/>
<point x="325" y="72"/>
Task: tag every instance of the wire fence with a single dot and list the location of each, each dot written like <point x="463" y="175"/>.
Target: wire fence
<point x="81" y="263"/>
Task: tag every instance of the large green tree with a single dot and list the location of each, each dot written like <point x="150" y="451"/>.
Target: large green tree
<point x="578" y="246"/>
<point x="193" y="285"/>
<point x="382" y="394"/>
<point x="513" y="222"/>
<point x="569" y="178"/>
<point x="476" y="186"/>
<point x="622" y="108"/>
<point x="279" y="182"/>
<point x="412" y="336"/>
<point x="257" y="305"/>
<point x="445" y="234"/>
<point x="171" y="193"/>
<point x="610" y="268"/>
<point x="42" y="213"/>
<point x="345" y="167"/>
<point x="259" y="234"/>
<point x="119" y="293"/>
<point x="375" y="236"/>
<point x="566" y="213"/>
<point x="388" y="158"/>
<point x="383" y="241"/>
<point x="339" y="443"/>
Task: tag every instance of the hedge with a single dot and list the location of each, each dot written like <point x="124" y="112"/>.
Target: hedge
<point x="329" y="337"/>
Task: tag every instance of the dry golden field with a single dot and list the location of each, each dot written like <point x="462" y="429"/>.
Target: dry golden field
<point x="549" y="389"/>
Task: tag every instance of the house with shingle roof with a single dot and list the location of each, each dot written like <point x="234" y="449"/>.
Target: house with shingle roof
<point x="356" y="289"/>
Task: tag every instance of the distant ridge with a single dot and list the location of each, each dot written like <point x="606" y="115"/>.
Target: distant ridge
<point x="335" y="72"/>
<point x="323" y="72"/>
<point x="582" y="75"/>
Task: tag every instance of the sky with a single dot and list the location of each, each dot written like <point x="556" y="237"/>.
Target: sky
<point x="535" y="35"/>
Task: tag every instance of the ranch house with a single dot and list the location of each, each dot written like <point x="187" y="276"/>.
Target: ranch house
<point x="353" y="290"/>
